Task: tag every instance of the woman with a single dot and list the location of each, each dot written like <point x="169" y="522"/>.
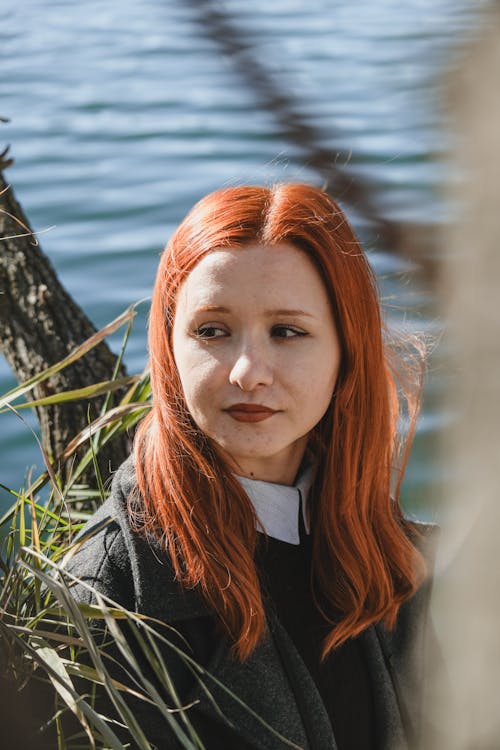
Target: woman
<point x="258" y="514"/>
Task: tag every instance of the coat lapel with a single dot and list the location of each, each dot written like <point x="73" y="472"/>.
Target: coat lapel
<point x="270" y="700"/>
<point x="405" y="652"/>
<point x="308" y="700"/>
<point x="389" y="726"/>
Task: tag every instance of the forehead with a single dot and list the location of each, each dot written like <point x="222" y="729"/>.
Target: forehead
<point x="281" y="272"/>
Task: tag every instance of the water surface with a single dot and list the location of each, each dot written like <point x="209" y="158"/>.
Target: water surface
<point x="124" y="114"/>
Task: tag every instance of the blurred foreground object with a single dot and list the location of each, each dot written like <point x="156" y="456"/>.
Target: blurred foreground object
<point x="467" y="608"/>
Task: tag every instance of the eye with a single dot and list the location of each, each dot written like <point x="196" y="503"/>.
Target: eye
<point x="207" y="331"/>
<point x="287" y="332"/>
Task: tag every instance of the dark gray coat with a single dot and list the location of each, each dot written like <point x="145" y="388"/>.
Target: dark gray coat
<point x="274" y="681"/>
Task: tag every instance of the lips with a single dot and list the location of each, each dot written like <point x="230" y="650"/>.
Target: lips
<point x="250" y="412"/>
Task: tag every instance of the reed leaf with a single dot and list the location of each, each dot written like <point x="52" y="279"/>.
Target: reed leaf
<point x="90" y="391"/>
<point x="64" y="686"/>
<point x="73" y="356"/>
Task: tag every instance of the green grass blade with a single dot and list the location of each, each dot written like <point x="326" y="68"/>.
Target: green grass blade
<point x="90" y="391"/>
<point x="76" y="354"/>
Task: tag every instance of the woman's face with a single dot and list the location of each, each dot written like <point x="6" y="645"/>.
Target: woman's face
<point x="257" y="354"/>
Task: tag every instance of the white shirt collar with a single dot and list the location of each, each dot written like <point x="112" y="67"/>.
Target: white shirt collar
<point x="277" y="505"/>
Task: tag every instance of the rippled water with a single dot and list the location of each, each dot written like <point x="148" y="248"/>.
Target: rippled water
<point x="123" y="114"/>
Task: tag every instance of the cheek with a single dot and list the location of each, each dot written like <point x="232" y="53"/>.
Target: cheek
<point x="200" y="376"/>
<point x="322" y="381"/>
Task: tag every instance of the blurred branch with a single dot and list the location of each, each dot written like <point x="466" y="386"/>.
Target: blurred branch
<point x="414" y="241"/>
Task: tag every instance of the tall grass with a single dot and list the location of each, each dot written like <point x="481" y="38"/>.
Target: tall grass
<point x="53" y="649"/>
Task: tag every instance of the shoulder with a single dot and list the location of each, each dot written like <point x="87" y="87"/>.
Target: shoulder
<point x="101" y="557"/>
<point x="406" y="642"/>
<point x="425" y="537"/>
<point x="98" y="558"/>
<point x="410" y="648"/>
<point x="113" y="558"/>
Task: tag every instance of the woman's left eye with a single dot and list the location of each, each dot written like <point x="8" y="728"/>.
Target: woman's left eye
<point x="287" y="332"/>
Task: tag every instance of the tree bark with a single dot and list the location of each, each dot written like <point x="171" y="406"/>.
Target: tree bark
<point x="40" y="324"/>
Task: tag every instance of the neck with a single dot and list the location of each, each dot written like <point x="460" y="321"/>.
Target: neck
<point x="280" y="469"/>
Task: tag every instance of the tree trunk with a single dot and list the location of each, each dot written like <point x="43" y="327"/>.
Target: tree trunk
<point x="39" y="325"/>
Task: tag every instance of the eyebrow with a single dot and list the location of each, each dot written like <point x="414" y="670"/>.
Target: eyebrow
<point x="287" y="311"/>
<point x="282" y="311"/>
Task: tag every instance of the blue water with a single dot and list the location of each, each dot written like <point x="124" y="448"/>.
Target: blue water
<point x="124" y="114"/>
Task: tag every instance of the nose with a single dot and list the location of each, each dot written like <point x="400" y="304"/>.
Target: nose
<point x="251" y="368"/>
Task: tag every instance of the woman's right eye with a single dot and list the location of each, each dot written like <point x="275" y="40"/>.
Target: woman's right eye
<point x="210" y="332"/>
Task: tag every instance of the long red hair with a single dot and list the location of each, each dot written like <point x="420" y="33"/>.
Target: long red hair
<point x="364" y="562"/>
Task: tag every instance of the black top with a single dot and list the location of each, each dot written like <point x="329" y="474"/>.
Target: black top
<point x="342" y="679"/>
